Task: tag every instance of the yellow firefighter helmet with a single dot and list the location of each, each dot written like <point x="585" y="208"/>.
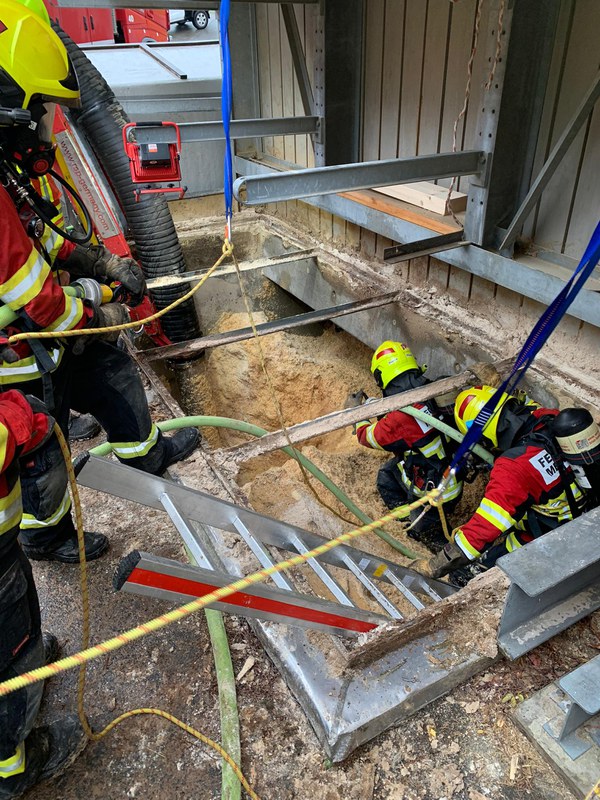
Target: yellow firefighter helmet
<point x="468" y="405"/>
<point x="390" y="360"/>
<point x="34" y="65"/>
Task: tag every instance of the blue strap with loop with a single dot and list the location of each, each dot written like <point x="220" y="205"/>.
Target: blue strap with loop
<point x="226" y="101"/>
<point x="535" y="341"/>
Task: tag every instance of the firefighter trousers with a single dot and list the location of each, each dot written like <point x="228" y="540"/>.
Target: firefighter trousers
<point x="21" y="650"/>
<point x="102" y="381"/>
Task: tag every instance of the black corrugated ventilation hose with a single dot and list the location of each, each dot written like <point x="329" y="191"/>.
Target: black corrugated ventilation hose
<point x="102" y="118"/>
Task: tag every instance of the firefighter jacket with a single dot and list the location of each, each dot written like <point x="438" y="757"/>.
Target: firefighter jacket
<point x="421" y="449"/>
<point x="526" y="495"/>
<point x="21" y="431"/>
<point x="28" y="287"/>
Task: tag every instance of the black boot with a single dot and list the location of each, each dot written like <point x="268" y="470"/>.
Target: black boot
<point x="49" y="751"/>
<point x="180" y="446"/>
<point x="96" y="544"/>
<point x="83" y="426"/>
<point x="51" y="647"/>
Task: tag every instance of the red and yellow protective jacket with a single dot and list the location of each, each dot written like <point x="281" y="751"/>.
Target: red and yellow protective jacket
<point x="21" y="430"/>
<point x="28" y="286"/>
<point x="524" y="482"/>
<point x="422" y="450"/>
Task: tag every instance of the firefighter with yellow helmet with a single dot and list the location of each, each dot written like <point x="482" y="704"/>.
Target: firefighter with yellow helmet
<point x="91" y="375"/>
<point x="421" y="453"/>
<point x="531" y="491"/>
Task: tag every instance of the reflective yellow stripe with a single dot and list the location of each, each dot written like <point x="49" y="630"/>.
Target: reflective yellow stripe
<point x="70" y="317"/>
<point x="11" y="509"/>
<point x="434" y="448"/>
<point x="559" y="508"/>
<point x="461" y="540"/>
<point x="136" y="449"/>
<point x="14" y="765"/>
<point x="3" y="444"/>
<point x="26" y="283"/>
<point x="26" y="369"/>
<point x="52" y="241"/>
<point x="371" y="437"/>
<point x="512" y="543"/>
<point x="495" y="515"/>
<point x="29" y="522"/>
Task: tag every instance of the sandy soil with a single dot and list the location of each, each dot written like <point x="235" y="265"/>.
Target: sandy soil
<point x="463" y="747"/>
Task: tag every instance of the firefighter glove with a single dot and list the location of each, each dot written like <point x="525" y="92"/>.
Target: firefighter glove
<point x="449" y="558"/>
<point x="129" y="274"/>
<point x="43" y="423"/>
<point x="99" y="263"/>
<point x="7" y="354"/>
<point x="109" y="315"/>
<point x="355" y="399"/>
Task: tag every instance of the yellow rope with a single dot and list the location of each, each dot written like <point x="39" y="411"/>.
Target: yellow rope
<point x="96" y="736"/>
<point x="227" y="251"/>
<point x="177" y="614"/>
<point x="595" y="792"/>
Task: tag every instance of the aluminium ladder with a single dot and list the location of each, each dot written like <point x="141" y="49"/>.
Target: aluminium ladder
<point x="150" y="575"/>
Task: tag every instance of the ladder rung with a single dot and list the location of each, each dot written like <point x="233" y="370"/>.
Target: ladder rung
<point x="333" y="586"/>
<point x="262" y="554"/>
<point x="372" y="588"/>
<point x="410" y="596"/>
<point x="186" y="532"/>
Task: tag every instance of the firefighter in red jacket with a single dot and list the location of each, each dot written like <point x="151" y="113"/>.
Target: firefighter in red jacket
<point x="421" y="453"/>
<point x="27" y="754"/>
<point x="89" y="374"/>
<point x="531" y="489"/>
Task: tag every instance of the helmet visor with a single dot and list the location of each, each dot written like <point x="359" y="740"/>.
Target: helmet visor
<point x="45" y="124"/>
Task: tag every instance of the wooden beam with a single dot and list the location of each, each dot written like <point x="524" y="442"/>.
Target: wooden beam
<point x="196" y="346"/>
<point x="341" y="419"/>
<point x="386" y="205"/>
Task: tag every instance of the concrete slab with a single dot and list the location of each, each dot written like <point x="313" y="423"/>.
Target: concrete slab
<point x="581" y="774"/>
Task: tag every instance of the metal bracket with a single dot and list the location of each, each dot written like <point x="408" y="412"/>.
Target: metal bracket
<point x="424" y="247"/>
<point x="555" y="581"/>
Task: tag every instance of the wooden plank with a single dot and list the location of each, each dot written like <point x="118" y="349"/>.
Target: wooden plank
<point x="544" y="141"/>
<point x="264" y="68"/>
<point x="433" y="81"/>
<point x="374" y="200"/>
<point x="372" y="82"/>
<point x="412" y="72"/>
<point x="426" y="195"/>
<point x="341" y="419"/>
<point x="555" y="205"/>
<point x="455" y="615"/>
<point x="273" y="16"/>
<point x="311" y="14"/>
<point x="462" y="16"/>
<point x="289" y="85"/>
<point x="391" y="78"/>
<point x="302" y="142"/>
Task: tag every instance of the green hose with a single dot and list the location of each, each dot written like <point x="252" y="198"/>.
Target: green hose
<point x="7" y="315"/>
<point x="447" y="430"/>
<point x="255" y="430"/>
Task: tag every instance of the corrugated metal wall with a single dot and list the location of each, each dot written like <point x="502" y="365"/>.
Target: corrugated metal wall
<point x="416" y="54"/>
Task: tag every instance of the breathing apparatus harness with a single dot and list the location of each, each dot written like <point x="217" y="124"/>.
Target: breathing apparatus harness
<point x="17" y="169"/>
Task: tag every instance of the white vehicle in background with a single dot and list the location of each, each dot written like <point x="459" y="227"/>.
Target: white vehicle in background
<point x="199" y="17"/>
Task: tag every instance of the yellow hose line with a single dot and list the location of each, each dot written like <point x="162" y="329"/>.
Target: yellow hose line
<point x="193" y="732"/>
<point x="595" y="792"/>
<point x="177" y="614"/>
<point x="227" y="251"/>
<point x="96" y="736"/>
